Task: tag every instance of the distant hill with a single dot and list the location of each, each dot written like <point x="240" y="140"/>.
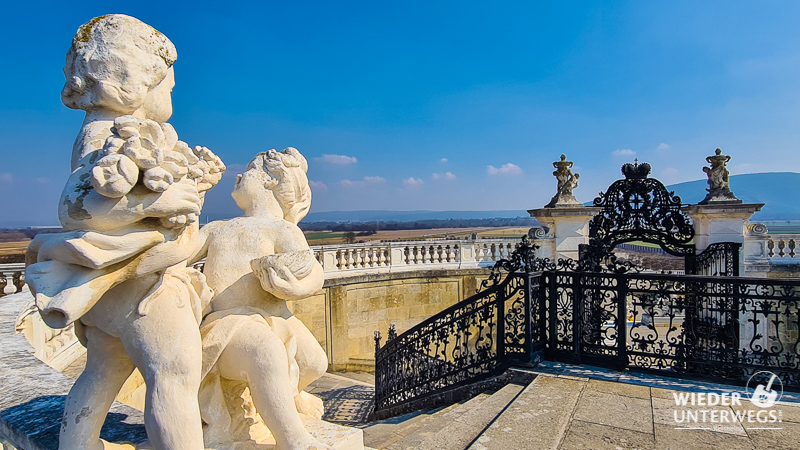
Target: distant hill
<point x="777" y="190"/>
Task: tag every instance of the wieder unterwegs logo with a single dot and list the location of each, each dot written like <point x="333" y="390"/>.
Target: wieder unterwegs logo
<point x="755" y="407"/>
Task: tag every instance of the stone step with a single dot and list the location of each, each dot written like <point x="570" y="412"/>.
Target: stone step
<point x="438" y="421"/>
<point x="383" y="433"/>
<point x="458" y="428"/>
<point x="538" y="418"/>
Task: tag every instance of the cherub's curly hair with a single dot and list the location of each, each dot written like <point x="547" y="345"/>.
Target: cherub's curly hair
<point x="114" y="61"/>
<point x="286" y="178"/>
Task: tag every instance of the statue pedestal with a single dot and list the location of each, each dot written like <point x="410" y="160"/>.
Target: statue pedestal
<point x="569" y="227"/>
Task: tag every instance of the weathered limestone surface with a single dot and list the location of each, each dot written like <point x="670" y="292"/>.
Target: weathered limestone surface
<point x="258" y="358"/>
<point x="569" y="227"/>
<point x="33" y="393"/>
<point x="538" y="417"/>
<point x="567" y="182"/>
<point x="356" y="307"/>
<point x="719" y="190"/>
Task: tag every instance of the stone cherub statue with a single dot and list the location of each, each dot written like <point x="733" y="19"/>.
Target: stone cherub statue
<point x="255" y="263"/>
<point x="567" y="181"/>
<point x="718" y="188"/>
<point x="129" y="211"/>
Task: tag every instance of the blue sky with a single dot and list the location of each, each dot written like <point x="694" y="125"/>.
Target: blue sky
<point x="430" y="105"/>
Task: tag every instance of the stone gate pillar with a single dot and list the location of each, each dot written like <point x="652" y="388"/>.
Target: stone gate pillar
<point x="723" y="222"/>
<point x="566" y="218"/>
<point x="569" y="227"/>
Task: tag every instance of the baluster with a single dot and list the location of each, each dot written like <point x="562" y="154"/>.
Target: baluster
<point x="770" y="248"/>
<point x="781" y="245"/>
<point x="381" y="257"/>
<point x="19" y="280"/>
<point x="358" y="260"/>
<point x="369" y="257"/>
<point x="493" y="252"/>
<point x="407" y="255"/>
<point x="3" y="284"/>
<point x="791" y="249"/>
<point x="339" y="260"/>
<point x="350" y="259"/>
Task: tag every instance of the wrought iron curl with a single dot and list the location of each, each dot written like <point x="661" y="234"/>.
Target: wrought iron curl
<point x="640" y="208"/>
<point x="522" y="259"/>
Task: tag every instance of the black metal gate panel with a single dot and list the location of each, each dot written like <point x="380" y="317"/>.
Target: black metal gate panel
<point x="601" y="312"/>
<point x="721" y="328"/>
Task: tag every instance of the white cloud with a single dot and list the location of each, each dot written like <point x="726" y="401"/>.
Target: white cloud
<point x="443" y="160"/>
<point x="505" y="169"/>
<point x="6" y="177"/>
<point x="662" y="147"/>
<point x="363" y="182"/>
<point x="624" y="152"/>
<point x="413" y="182"/>
<point x="318" y="186"/>
<point x="374" y="180"/>
<point x="449" y="176"/>
<point x="339" y="160"/>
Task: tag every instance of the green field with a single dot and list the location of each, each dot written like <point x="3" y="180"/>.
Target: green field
<point x="323" y="235"/>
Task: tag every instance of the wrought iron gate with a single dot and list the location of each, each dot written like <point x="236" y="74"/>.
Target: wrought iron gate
<point x="603" y="311"/>
<point x="721" y="328"/>
<point x="608" y="313"/>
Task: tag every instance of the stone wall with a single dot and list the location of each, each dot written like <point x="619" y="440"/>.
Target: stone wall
<point x="346" y="314"/>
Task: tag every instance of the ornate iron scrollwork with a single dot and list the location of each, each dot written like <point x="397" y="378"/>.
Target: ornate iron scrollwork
<point x="522" y="259"/>
<point x="641" y="208"/>
<point x="597" y="256"/>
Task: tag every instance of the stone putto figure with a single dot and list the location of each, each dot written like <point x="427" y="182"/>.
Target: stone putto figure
<point x="718" y="188"/>
<point x="129" y="211"/>
<point x="567" y="181"/>
<point x="255" y="263"/>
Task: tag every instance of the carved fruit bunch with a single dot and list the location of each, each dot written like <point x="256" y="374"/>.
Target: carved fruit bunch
<point x="151" y="152"/>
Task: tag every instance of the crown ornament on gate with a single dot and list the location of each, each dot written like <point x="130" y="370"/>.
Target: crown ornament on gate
<point x="636" y="170"/>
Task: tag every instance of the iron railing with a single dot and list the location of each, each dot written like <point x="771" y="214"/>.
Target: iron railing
<point x="476" y="339"/>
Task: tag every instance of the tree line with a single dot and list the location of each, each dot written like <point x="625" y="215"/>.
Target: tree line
<point x="375" y="226"/>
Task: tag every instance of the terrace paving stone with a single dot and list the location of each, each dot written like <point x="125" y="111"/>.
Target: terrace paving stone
<point x="585" y="435"/>
<point x="669" y="438"/>
<point x="615" y="410"/>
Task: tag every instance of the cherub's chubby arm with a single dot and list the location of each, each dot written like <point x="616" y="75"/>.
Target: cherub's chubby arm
<point x="83" y="208"/>
<point x="292" y="273"/>
<point x="204" y="238"/>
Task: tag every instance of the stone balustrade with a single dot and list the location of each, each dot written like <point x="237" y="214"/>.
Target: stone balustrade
<point x="780" y="246"/>
<point x="12" y="278"/>
<point x="384" y="257"/>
